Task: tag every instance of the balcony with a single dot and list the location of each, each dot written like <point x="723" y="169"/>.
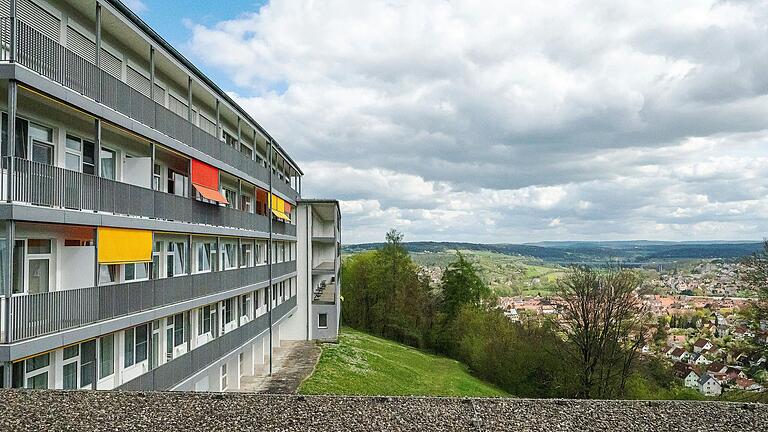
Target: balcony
<point x="34" y="315"/>
<point x="51" y="60"/>
<point x="50" y="186"/>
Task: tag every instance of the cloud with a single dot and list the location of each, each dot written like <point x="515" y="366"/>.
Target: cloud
<point x="514" y="122"/>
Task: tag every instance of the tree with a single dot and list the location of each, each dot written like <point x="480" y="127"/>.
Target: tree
<point x="604" y="323"/>
<point x="462" y="286"/>
<point x="755" y="276"/>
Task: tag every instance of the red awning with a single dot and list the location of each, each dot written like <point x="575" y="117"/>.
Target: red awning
<point x="205" y="175"/>
<point x="211" y="194"/>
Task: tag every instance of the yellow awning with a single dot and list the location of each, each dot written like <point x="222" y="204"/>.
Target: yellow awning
<point x="121" y="245"/>
<point x="281" y="215"/>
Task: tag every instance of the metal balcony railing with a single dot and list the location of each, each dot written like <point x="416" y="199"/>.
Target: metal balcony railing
<point x="168" y="375"/>
<point x="47" y="185"/>
<point x="54" y="61"/>
<point x="34" y="315"/>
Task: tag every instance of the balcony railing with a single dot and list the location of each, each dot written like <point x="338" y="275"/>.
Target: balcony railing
<point x="39" y="314"/>
<point x="57" y="63"/>
<point x="169" y="375"/>
<point x="51" y="186"/>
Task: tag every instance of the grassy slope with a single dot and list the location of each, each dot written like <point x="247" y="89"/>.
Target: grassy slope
<point x="361" y="364"/>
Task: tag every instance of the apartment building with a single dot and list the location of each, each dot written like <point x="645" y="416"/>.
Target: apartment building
<point x="148" y="224"/>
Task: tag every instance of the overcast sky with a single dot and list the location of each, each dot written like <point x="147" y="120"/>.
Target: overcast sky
<point x="501" y="121"/>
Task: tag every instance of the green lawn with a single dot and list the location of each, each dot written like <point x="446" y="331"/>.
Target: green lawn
<point x="361" y="364"/>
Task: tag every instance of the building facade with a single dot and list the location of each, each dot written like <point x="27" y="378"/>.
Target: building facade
<point x="148" y="224"/>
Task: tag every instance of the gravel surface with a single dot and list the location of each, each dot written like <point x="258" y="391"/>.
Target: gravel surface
<point x="120" y="411"/>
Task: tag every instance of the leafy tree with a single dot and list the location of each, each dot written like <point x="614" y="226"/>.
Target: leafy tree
<point x="604" y="322"/>
<point x="756" y="277"/>
<point x="462" y="286"/>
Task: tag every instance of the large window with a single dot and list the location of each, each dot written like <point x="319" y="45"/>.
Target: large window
<point x="136" y="272"/>
<point x="206" y="256"/>
<point x="246" y="253"/>
<point x="229" y="310"/>
<point x="245" y="305"/>
<point x="42" y="143"/>
<point x="175" y="259"/>
<point x="229" y="255"/>
<point x="205" y="319"/>
<point x="32" y="266"/>
<point x="70" y="367"/>
<point x="223" y="376"/>
<point x="87" y="363"/>
<point x="79" y="155"/>
<point x="109" y="274"/>
<point x="106" y="356"/>
<point x="37" y="371"/>
<point x="135" y="344"/>
<point x="108" y="163"/>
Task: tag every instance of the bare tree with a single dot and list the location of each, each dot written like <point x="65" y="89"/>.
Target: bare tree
<point x="604" y="324"/>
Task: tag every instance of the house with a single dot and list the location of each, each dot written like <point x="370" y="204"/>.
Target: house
<point x="717" y="367"/>
<point x="692" y="379"/>
<point x="701" y="345"/>
<point x="742" y="332"/>
<point x="679" y="354"/>
<point x="747" y="384"/>
<point x="709" y="386"/>
<point x="733" y="373"/>
<point x="699" y="359"/>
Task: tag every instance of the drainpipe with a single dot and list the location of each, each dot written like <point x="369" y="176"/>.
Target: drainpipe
<point x="269" y="254"/>
<point x="12" y="102"/>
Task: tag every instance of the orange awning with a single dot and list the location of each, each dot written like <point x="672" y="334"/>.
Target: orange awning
<point x="210" y="194"/>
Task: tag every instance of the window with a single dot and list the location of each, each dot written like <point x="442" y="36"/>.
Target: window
<point x="108" y="162"/>
<point x="22" y="137"/>
<point x="246" y="204"/>
<point x="37" y="371"/>
<point x="223" y="376"/>
<point x="256" y="295"/>
<point x="282" y="290"/>
<point x="322" y="320"/>
<point x="204" y="317"/>
<point x="177" y="183"/>
<point x="245" y="305"/>
<point x="174" y="333"/>
<point x="157" y="177"/>
<point x="87" y="363"/>
<point x="175" y="259"/>
<point x="156" y="260"/>
<point x="69" y="368"/>
<point x="203" y="257"/>
<point x="79" y="155"/>
<point x="229" y="255"/>
<point x="39" y="255"/>
<point x="231" y="196"/>
<point x="42" y="143"/>
<point x="246" y="151"/>
<point x="135" y="344"/>
<point x="108" y="273"/>
<point x="229" y="310"/>
<point x="107" y="356"/>
<point x="230" y="140"/>
<point x="136" y="272"/>
<point x="246" y="254"/>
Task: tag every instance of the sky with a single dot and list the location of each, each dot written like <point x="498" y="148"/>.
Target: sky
<point x="504" y="122"/>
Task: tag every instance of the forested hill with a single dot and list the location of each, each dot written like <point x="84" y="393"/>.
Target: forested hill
<point x="591" y="252"/>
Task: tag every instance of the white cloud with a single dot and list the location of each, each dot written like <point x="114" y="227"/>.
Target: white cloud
<point x="514" y="121"/>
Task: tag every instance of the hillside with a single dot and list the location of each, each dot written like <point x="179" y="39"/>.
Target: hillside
<point x="627" y="252"/>
<point x="361" y="364"/>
